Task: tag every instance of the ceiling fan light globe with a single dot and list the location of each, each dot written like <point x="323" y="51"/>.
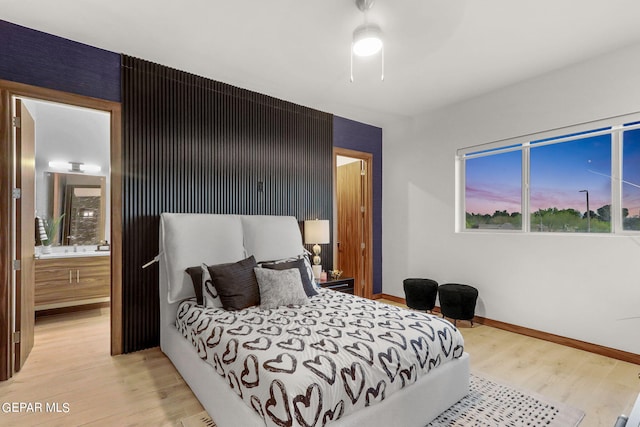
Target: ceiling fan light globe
<point x="367" y="40"/>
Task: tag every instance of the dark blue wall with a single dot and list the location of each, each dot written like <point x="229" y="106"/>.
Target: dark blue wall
<point x="41" y="59"/>
<point x="362" y="137"/>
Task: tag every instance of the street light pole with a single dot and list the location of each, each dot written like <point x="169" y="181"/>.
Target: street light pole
<point x="588" y="211"/>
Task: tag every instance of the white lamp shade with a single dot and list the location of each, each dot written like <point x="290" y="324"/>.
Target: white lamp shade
<point x="367" y="40"/>
<point x="316" y="231"/>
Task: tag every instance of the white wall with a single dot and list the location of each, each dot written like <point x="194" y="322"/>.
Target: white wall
<point x="576" y="286"/>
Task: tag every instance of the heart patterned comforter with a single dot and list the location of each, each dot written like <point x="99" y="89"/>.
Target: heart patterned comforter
<point x="308" y="365"/>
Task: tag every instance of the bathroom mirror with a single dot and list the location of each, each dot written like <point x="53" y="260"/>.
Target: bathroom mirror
<point x="82" y="200"/>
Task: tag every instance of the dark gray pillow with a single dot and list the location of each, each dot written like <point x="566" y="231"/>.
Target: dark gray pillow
<point x="309" y="289"/>
<point x="236" y="284"/>
<point x="279" y="287"/>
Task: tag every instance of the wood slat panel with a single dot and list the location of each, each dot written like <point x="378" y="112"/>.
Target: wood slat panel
<point x="192" y="144"/>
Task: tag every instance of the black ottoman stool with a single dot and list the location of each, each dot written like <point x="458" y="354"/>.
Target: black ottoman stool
<point x="420" y="294"/>
<point x="458" y="302"/>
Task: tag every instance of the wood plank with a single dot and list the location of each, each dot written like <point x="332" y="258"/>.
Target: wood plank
<point x="7" y="226"/>
<point x="116" y="229"/>
<point x="350" y="237"/>
<point x="364" y="283"/>
<point x="25" y="142"/>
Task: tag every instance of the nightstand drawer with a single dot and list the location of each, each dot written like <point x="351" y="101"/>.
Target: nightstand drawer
<point x="341" y="285"/>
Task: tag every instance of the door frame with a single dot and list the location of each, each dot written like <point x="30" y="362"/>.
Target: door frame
<point x="367" y="158"/>
<point x="8" y="90"/>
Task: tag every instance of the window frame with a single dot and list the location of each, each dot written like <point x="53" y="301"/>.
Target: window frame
<point x="613" y="126"/>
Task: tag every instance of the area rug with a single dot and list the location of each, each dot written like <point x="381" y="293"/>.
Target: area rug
<point x="488" y="404"/>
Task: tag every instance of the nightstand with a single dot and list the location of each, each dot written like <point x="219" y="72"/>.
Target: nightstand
<point x="344" y="284"/>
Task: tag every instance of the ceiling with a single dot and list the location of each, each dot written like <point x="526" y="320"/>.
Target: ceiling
<point x="437" y="52"/>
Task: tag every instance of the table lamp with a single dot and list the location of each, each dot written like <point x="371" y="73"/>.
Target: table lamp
<point x="316" y="232"/>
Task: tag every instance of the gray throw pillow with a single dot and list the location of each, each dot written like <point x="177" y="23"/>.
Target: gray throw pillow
<point x="308" y="285"/>
<point x="280" y="287"/>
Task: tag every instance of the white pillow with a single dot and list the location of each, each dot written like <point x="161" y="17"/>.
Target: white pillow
<point x="209" y="294"/>
<point x="307" y="265"/>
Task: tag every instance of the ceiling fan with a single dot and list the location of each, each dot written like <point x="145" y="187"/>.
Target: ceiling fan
<point x="367" y="38"/>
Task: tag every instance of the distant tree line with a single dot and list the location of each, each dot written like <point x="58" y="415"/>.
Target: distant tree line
<point x="554" y="220"/>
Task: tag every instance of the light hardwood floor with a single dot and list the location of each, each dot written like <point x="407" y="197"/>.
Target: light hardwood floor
<point x="70" y="364"/>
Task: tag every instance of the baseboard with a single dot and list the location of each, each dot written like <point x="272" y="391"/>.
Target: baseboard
<point x="558" y="339"/>
<point x="390" y="298"/>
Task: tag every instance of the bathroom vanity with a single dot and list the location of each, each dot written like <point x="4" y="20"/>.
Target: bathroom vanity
<point x="72" y="276"/>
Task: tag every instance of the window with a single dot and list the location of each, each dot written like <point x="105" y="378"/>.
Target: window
<point x="583" y="180"/>
<point x="493" y="191"/>
<point x="570" y="188"/>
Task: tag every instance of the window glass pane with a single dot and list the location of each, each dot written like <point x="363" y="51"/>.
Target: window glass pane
<point x="631" y="180"/>
<point x="493" y="191"/>
<point x="565" y="179"/>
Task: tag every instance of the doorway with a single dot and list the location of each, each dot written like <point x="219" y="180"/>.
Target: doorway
<point x="17" y="266"/>
<point x="353" y="218"/>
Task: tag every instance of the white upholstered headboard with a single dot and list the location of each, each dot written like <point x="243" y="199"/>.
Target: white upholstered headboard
<point x="188" y="240"/>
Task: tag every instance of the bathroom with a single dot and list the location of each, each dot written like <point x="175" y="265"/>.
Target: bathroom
<point x="72" y="228"/>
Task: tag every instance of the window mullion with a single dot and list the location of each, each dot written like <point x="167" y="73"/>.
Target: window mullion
<point x="616" y="181"/>
<point x="461" y="215"/>
<point x="526" y="217"/>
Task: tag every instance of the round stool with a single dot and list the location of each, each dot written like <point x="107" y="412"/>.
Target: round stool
<point x="458" y="302"/>
<point x="420" y="294"/>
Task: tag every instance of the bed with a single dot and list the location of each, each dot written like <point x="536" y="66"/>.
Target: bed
<point x="336" y="359"/>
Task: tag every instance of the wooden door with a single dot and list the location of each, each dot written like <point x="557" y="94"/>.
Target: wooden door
<point x="25" y="233"/>
<point x="350" y="241"/>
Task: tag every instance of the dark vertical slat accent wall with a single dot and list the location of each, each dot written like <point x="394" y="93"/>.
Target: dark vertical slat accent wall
<point x="192" y="144"/>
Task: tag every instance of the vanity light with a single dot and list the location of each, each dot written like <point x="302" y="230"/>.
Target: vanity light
<point x="74" y="166"/>
<point x="85" y="213"/>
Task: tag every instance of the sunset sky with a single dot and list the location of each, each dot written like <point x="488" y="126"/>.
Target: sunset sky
<point x="558" y="173"/>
